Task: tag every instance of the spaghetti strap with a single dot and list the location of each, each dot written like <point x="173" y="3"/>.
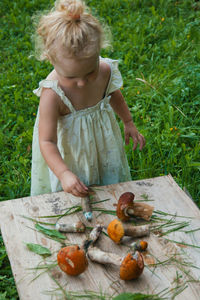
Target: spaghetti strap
<point x="53" y="84"/>
<point x="116" y="81"/>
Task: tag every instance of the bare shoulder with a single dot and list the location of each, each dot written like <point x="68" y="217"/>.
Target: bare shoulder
<point x="52" y="75"/>
<point x="105" y="69"/>
<point x="48" y="96"/>
<point x="105" y="72"/>
<point x="49" y="102"/>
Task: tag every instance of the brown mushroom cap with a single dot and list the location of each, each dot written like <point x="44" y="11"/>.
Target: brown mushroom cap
<point x="115" y="230"/>
<point x="125" y="201"/>
<point x="72" y="260"/>
<point x="132" y="266"/>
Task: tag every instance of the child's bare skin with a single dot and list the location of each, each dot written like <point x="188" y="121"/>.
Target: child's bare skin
<point x="84" y="81"/>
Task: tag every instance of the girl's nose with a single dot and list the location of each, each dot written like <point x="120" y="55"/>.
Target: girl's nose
<point x="81" y="82"/>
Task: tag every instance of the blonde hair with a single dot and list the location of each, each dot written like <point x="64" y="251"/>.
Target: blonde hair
<point x="70" y="26"/>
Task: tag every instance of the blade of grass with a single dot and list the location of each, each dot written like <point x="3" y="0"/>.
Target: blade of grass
<point x="50" y="232"/>
<point x="37" y="221"/>
<point x="46" y="268"/>
<point x="192" y="230"/>
<point x="100" y="201"/>
<point x="159" y="212"/>
<point x="183" y="243"/>
<point x="105" y="211"/>
<point x="68" y="212"/>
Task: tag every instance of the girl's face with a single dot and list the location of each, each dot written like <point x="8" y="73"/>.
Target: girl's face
<point x="77" y="72"/>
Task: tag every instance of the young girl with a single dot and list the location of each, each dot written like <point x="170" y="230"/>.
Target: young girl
<point x="77" y="141"/>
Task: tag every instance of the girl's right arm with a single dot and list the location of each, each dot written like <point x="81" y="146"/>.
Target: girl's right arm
<point x="49" y="110"/>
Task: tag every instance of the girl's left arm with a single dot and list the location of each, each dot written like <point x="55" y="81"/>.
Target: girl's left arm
<point x="121" y="109"/>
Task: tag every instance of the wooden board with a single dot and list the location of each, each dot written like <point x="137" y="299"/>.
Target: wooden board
<point x="177" y="271"/>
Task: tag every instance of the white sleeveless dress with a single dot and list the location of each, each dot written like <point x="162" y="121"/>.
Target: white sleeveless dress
<point x="89" y="141"/>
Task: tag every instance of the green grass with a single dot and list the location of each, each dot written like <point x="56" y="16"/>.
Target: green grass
<point x="156" y="41"/>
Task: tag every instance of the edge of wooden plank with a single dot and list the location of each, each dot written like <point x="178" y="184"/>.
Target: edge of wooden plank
<point x="191" y="202"/>
<point x="168" y="179"/>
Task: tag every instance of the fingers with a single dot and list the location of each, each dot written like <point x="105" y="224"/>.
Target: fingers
<point x="142" y="141"/>
<point x="76" y="193"/>
<point x="132" y="132"/>
<point x="72" y="184"/>
<point x="79" y="190"/>
<point x="135" y="143"/>
<point x="85" y="188"/>
<point x="139" y="140"/>
<point x="127" y="137"/>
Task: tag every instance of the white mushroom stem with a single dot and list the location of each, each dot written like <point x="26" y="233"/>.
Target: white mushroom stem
<point x="71" y="227"/>
<point x="136" y="231"/>
<point x="95" y="254"/>
<point x="131" y="266"/>
<point x="87" y="211"/>
<point x="141" y="210"/>
<point x="94" y="235"/>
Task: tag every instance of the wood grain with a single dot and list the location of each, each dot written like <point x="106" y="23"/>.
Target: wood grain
<point x="166" y="195"/>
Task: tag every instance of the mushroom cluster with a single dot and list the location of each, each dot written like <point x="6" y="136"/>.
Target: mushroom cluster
<point x="127" y="208"/>
<point x="73" y="259"/>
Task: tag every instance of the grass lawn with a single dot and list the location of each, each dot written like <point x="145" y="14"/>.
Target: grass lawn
<point x="157" y="44"/>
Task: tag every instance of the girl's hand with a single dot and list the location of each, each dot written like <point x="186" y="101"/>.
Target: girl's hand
<point x="72" y="184"/>
<point x="131" y="131"/>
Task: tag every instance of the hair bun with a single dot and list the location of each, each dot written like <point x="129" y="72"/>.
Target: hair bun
<point x="72" y="8"/>
<point x="69" y="26"/>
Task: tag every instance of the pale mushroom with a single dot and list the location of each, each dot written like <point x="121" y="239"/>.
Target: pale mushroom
<point x="71" y="227"/>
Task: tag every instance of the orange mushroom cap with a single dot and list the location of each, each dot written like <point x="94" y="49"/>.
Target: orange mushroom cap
<point x="72" y="260"/>
<point x="139" y="245"/>
<point x="132" y="266"/>
<point x="115" y="230"/>
<point x="143" y="245"/>
<point x="125" y="201"/>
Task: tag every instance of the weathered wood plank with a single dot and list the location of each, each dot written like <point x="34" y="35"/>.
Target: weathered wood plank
<point x="166" y="195"/>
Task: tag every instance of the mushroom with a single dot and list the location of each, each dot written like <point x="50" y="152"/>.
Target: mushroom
<point x="126" y="208"/>
<point x="139" y="245"/>
<point x="86" y="207"/>
<point x="72" y="260"/>
<point x="71" y="227"/>
<point x="116" y="230"/>
<point x="131" y="266"/>
<point x="94" y="235"/>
